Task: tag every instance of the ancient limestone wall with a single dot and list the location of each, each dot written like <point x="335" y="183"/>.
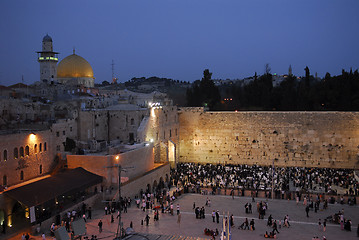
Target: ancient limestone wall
<point x="316" y="139"/>
<point x="161" y="127"/>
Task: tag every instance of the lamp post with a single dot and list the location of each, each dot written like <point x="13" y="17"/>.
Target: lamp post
<point x="119" y="199"/>
<point x="119" y="226"/>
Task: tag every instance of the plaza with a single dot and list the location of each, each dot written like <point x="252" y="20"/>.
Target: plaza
<point x="191" y="228"/>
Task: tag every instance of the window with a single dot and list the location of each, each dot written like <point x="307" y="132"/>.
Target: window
<point x="45" y="147"/>
<point x="164" y="134"/>
<point x="57" y="134"/>
<point x="40" y="147"/>
<point x="21" y="152"/>
<point x="16" y="153"/>
<point x="5" y="155"/>
<point x="70" y="129"/>
<point x="170" y="133"/>
<point x="27" y="151"/>
<point x="58" y="148"/>
<point x="132" y="121"/>
<point x="22" y="175"/>
<point x="4" y="180"/>
<point x="40" y="169"/>
<point x="63" y="133"/>
<point x="35" y="148"/>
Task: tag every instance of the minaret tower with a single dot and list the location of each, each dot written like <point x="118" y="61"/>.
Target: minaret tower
<point x="48" y="60"/>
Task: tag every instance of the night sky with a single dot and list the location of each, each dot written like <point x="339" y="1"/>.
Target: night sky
<point x="178" y="39"/>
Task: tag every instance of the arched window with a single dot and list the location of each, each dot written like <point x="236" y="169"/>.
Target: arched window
<point x="4" y="180"/>
<point x="16" y="153"/>
<point x="45" y="147"/>
<point x="27" y="151"/>
<point x="40" y="169"/>
<point x="35" y="148"/>
<point x="40" y="147"/>
<point x="21" y="152"/>
<point x="5" y="155"/>
<point x="22" y="175"/>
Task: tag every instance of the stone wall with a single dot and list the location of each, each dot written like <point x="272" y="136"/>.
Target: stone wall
<point x="161" y="127"/>
<point x="312" y="139"/>
<point x="34" y="156"/>
<point x="141" y="159"/>
<point x="150" y="179"/>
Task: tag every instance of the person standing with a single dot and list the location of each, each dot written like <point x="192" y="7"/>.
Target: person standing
<point x="147" y="219"/>
<point x="43" y="237"/>
<point x="246" y="225"/>
<point x="217" y="216"/>
<point x="252" y="225"/>
<point x="213" y="215"/>
<point x="307" y="210"/>
<point x="100" y="226"/>
<point x="89" y="213"/>
<point x="178" y="209"/>
<point x="320" y="224"/>
<point x="341" y="221"/>
<point x="324" y="225"/>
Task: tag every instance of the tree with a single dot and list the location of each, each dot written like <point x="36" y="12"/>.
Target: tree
<point x="204" y="92"/>
<point x="105" y="83"/>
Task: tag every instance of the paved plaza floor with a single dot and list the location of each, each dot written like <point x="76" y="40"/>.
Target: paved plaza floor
<point x="301" y="228"/>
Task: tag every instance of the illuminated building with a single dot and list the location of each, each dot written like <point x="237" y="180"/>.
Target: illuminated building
<point x="48" y="60"/>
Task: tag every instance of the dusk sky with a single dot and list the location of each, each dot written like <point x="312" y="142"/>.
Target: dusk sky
<point x="178" y="39"/>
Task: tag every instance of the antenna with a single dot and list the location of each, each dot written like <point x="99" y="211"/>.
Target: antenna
<point x="114" y="79"/>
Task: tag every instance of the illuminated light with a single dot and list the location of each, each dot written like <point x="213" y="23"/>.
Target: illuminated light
<point x="117" y="157"/>
<point x="151" y="140"/>
<point x="147" y="144"/>
<point x="32" y="137"/>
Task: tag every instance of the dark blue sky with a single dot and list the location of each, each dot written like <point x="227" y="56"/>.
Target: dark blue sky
<point x="180" y="38"/>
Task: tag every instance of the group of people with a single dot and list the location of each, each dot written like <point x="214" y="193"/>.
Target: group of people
<point x="254" y="177"/>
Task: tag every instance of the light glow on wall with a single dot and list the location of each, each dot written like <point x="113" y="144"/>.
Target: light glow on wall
<point x="32" y="137"/>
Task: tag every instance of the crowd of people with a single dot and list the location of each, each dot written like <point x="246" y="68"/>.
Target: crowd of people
<point x="194" y="176"/>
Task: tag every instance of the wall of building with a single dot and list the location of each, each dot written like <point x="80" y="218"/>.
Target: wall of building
<point x="62" y="129"/>
<point x="161" y="127"/>
<point x="141" y="159"/>
<point x="312" y="139"/>
<point x="109" y="125"/>
<point x="38" y="161"/>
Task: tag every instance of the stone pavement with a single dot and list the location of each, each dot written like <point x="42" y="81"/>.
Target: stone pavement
<point x="301" y="227"/>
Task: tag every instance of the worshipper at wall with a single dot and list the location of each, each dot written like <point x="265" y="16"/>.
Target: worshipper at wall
<point x="241" y="177"/>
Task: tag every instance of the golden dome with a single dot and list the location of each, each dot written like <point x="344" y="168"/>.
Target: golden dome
<point x="74" y="66"/>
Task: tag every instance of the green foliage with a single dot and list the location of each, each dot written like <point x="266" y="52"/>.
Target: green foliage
<point x="203" y="93"/>
<point x="337" y="93"/>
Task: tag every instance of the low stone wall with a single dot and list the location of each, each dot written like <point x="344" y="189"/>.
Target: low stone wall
<point x="133" y="187"/>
